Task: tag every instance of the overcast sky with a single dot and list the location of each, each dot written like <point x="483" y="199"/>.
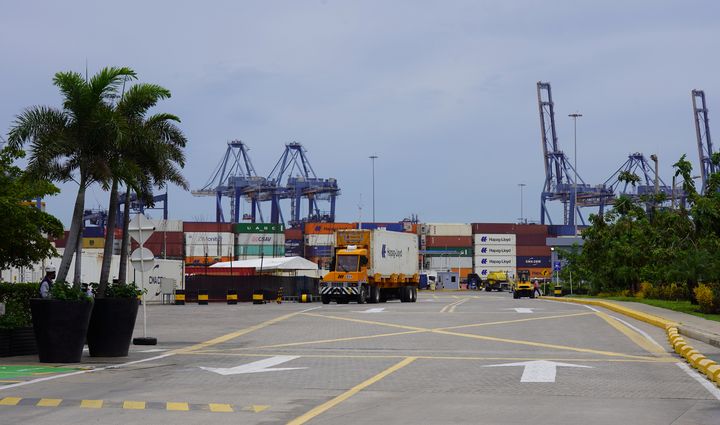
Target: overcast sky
<point x="442" y="91"/>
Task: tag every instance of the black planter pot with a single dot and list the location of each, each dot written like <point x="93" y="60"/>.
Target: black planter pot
<point x="17" y="342"/>
<point x="111" y="326"/>
<point x="60" y="329"/>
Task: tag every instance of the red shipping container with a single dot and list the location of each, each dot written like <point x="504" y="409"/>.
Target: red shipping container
<point x="533" y="251"/>
<point x="172" y="242"/>
<point x="531" y="240"/>
<point x="531" y="229"/>
<point x="294" y="233"/>
<point x="449" y="241"/>
<point x="197" y="226"/>
<point x="327" y="228"/>
<point x="493" y="228"/>
<point x="219" y="271"/>
<point x="61" y="242"/>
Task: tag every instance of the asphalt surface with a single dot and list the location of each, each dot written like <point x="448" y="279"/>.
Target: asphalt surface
<point x="437" y="361"/>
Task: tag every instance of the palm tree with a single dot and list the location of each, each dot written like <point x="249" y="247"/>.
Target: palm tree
<point x="73" y="142"/>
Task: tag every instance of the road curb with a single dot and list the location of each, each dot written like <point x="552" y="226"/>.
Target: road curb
<point x="704" y="365"/>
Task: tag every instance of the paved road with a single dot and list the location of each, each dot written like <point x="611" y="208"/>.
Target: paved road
<point x="449" y="358"/>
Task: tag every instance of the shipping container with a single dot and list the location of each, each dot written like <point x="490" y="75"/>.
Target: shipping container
<point x="453" y="252"/>
<point x="93" y="243"/>
<point x="464" y="272"/>
<point x="242" y="251"/>
<point x="294" y="233"/>
<point x="206" y="260"/>
<point x="163" y="244"/>
<point x="495" y="250"/>
<point x="94" y="232"/>
<point x="327" y="228"/>
<point x="392" y="227"/>
<point x="258" y="228"/>
<point x="531" y="229"/>
<point x="539" y="251"/>
<point x="493" y="228"/>
<point x="487" y="261"/>
<point x="445" y="262"/>
<point x="483" y="271"/>
<point x="494" y="239"/>
<point x="209" y="238"/>
<point x="532" y="261"/>
<point x="531" y="240"/>
<point x="294" y="248"/>
<point x="318" y="251"/>
<point x="320" y="239"/>
<point x="168" y="225"/>
<point x="448" y="241"/>
<point x="219" y="271"/>
<point x="260" y="239"/>
<point x="446" y="229"/>
<point x="197" y="226"/>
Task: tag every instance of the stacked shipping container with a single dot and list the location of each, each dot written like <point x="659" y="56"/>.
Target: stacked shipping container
<point x="208" y="243"/>
<point x="294" y="243"/>
<point x="532" y="252"/>
<point x="320" y="241"/>
<point x="254" y="240"/>
<point x="447" y="247"/>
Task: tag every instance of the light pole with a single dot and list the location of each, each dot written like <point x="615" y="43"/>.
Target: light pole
<point x="373" y="158"/>
<point x="575" y="116"/>
<point x="522" y="185"/>
<point x="654" y="158"/>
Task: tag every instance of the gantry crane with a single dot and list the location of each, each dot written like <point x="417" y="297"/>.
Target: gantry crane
<point x="702" y="131"/>
<point x="562" y="182"/>
<point x="650" y="183"/>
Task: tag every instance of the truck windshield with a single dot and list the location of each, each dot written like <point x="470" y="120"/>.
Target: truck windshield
<point x="347" y="263"/>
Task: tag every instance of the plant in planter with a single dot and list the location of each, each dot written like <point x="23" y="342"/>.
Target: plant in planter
<point x="61" y="323"/>
<point x="113" y="321"/>
<point x="16" y="332"/>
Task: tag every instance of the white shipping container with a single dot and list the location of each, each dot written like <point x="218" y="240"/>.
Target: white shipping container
<point x="483" y="271"/>
<point x="486" y="261"/>
<point x="209" y="238"/>
<point x="210" y="250"/>
<point x="168" y="225"/>
<point x="260" y="239"/>
<point x="486" y="250"/>
<point x="447" y="262"/>
<point x="320" y="240"/>
<point x="494" y="239"/>
<point x="393" y="253"/>
<point x="448" y="229"/>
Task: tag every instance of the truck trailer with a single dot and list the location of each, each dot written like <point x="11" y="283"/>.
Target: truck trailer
<point x="372" y="266"/>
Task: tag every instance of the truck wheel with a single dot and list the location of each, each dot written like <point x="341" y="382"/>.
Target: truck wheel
<point x="403" y="293"/>
<point x="362" y="296"/>
<point x="325" y="299"/>
<point x="413" y="291"/>
<point x="374" y="295"/>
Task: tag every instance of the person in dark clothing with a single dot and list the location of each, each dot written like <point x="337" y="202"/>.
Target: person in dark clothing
<point x="47" y="282"/>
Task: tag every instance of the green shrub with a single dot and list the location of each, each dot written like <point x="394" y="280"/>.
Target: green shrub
<point x="117" y="290"/>
<point x="65" y="291"/>
<point x="708" y="297"/>
<point x="645" y="291"/>
<point x="16" y="297"/>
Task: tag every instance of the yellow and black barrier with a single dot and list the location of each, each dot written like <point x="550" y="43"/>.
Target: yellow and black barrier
<point x="202" y="297"/>
<point x="305" y="298"/>
<point x="558" y="291"/>
<point x="179" y="297"/>
<point x="232" y="296"/>
<point x="258" y="297"/>
<point x="279" y="298"/>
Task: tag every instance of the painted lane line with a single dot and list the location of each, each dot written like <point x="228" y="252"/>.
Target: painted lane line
<point x="638" y="330"/>
<point x="523" y="310"/>
<point x="255" y="367"/>
<point x="372" y="310"/>
<point x="701" y="379"/>
<point x="452" y="309"/>
<point x="349" y="393"/>
<point x="539" y="370"/>
<point x="639" y="337"/>
<point x="153" y="350"/>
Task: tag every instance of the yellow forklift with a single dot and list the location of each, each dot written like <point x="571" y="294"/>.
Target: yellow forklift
<point x="522" y="287"/>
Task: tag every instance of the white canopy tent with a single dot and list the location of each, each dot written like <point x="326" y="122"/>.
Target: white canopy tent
<point x="270" y="264"/>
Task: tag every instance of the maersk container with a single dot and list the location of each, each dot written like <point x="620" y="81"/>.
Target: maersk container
<point x="260" y="239"/>
<point x="494" y="239"/>
<point x="447" y="229"/>
<point x="495" y="250"/>
<point x="487" y="261"/>
<point x="320" y="239"/>
<point x="532" y="261"/>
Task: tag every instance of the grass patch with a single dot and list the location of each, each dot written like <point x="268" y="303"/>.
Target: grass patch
<point x="681" y="306"/>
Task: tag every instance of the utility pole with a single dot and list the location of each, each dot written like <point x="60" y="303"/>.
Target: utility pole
<point x="657" y="178"/>
<point x="575" y="116"/>
<point x="373" y="158"/>
<point x="522" y="215"/>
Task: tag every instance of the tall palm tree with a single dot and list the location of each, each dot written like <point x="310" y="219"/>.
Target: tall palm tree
<point x="73" y="142"/>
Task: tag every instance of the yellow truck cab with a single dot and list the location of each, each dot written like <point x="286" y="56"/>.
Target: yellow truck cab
<point x="522" y="287"/>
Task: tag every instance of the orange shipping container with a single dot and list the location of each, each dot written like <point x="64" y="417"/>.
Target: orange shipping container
<point x="463" y="272"/>
<point x="327" y="228"/>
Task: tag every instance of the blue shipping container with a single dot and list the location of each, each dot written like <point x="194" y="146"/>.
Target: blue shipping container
<point x="533" y="262"/>
<point x="392" y="227"/>
<point x="94" y="232"/>
<point x="319" y="251"/>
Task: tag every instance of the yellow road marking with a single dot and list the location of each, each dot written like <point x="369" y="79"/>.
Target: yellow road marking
<point x="368" y="322"/>
<point x="183" y="407"/>
<point x="257" y="408"/>
<point x="220" y="407"/>
<point x="9" y="382"/>
<point x="452" y="304"/>
<point x="49" y="402"/>
<point x="232" y="335"/>
<point x="452" y="309"/>
<point x="134" y="405"/>
<point x="10" y="401"/>
<point x="349" y="393"/>
<point x="91" y="404"/>
<point x="635" y="337"/>
<point x="324" y="341"/>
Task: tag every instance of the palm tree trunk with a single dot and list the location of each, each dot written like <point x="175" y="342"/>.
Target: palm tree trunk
<point x="109" y="240"/>
<point x="77" y="277"/>
<point x="74" y="235"/>
<point x="122" y="274"/>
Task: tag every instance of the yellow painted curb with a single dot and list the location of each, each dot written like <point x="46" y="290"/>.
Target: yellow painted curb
<point x="703" y="365"/>
<point x="695" y="358"/>
<point x="713" y="372"/>
<point x="679" y="347"/>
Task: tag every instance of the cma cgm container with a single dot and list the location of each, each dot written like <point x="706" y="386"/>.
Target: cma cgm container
<point x="446" y="229"/>
<point x="371" y="266"/>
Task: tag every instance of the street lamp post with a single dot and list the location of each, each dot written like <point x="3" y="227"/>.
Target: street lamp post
<point x="522" y="212"/>
<point x="575" y="116"/>
<point x="373" y="158"/>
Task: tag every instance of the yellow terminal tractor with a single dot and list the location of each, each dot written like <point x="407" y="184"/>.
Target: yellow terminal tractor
<point x="372" y="266"/>
<point x="522" y="287"/>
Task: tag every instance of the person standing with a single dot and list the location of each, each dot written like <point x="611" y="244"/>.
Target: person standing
<point x="47" y="282"/>
<point x="536" y="285"/>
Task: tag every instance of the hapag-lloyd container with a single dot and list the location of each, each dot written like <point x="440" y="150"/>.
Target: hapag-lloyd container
<point x="260" y="239"/>
<point x="494" y="239"/>
<point x="495" y="250"/>
<point x="446" y="229"/>
<point x="487" y="261"/>
<point x="483" y="271"/>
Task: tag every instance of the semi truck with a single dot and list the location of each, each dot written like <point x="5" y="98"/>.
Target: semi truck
<point x="372" y="266"/>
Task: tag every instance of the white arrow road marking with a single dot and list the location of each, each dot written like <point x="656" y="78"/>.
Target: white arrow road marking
<point x="255" y="367"/>
<point x="539" y="370"/>
<point x="372" y="310"/>
<point x="523" y="310"/>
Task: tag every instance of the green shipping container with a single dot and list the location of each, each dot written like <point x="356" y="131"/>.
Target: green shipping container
<point x="463" y="252"/>
<point x="256" y="250"/>
<point x="258" y="228"/>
